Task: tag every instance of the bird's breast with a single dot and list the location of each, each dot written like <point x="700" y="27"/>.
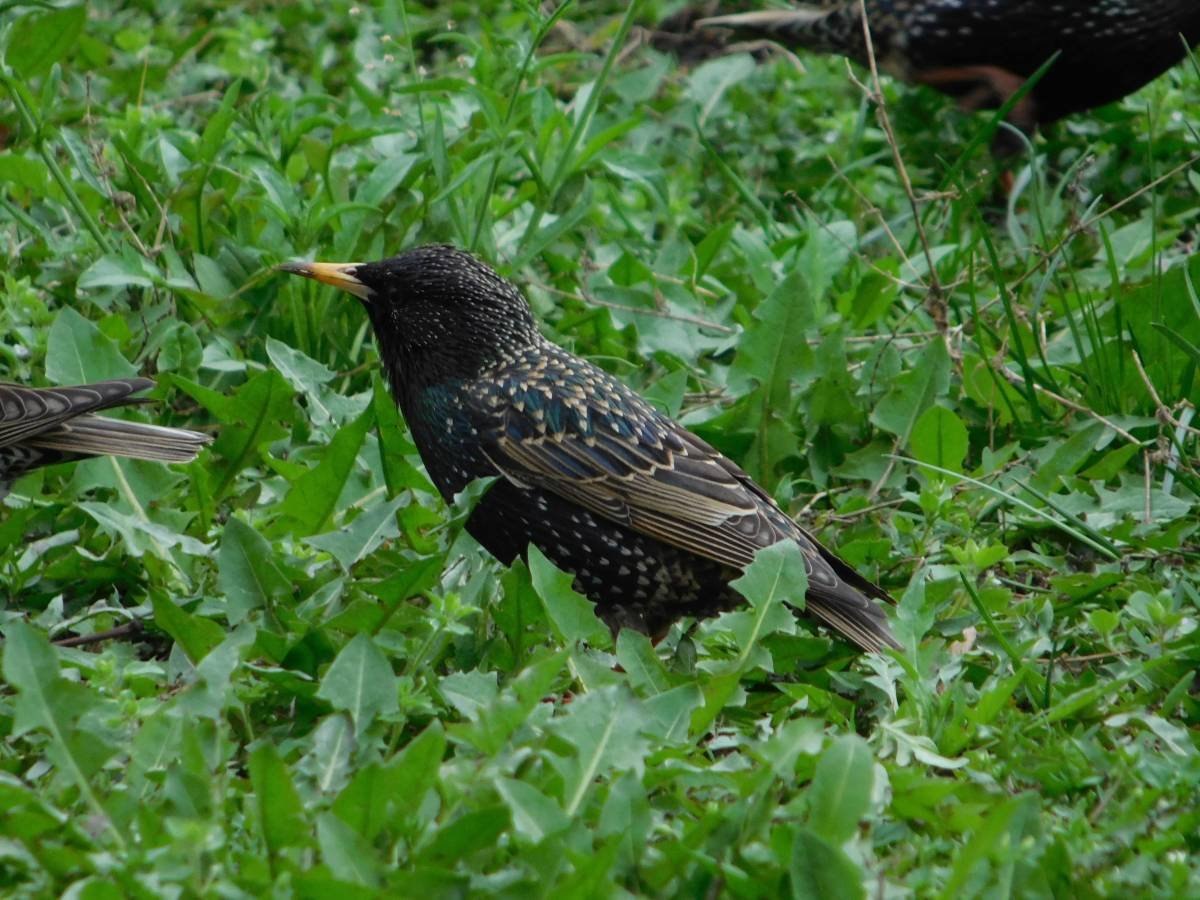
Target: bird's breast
<point x="447" y="439"/>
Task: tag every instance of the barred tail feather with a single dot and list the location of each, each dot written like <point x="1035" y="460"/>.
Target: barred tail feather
<point x="98" y="436"/>
<point x="771" y="23"/>
<point x="851" y="615"/>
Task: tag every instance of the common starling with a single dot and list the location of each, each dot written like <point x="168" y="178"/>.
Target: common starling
<point x="42" y="426"/>
<point x="652" y="522"/>
<point x="983" y="51"/>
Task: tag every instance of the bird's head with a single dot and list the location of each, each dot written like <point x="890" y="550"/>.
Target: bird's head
<point x="439" y="314"/>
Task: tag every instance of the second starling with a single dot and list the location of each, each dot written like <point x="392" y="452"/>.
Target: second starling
<point x="652" y="522"/>
<point x="983" y="51"/>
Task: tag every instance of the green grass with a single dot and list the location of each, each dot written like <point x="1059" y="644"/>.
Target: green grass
<point x="321" y="687"/>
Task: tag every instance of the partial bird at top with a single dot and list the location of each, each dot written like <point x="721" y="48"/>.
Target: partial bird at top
<point x="983" y="51"/>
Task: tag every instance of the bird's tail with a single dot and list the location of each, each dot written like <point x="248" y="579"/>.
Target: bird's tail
<point x="90" y="435"/>
<point x="810" y="27"/>
<point x="855" y="617"/>
<point x="849" y="604"/>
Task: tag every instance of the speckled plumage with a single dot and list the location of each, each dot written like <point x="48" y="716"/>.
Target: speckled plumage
<point x="652" y="522"/>
<point x="42" y="426"/>
<point x="981" y="51"/>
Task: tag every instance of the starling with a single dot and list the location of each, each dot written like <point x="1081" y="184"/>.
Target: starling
<point x="42" y="426"/>
<point x="983" y="51"/>
<point x="651" y="521"/>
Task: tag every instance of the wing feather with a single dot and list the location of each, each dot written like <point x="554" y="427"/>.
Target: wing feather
<point x="612" y="454"/>
<point x="628" y="463"/>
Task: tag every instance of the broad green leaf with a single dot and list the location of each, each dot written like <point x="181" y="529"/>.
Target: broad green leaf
<point x="841" y="789"/>
<point x="380" y="185"/>
<point x="195" y="634"/>
<point x="1111" y="463"/>
<point x="211" y="278"/>
<point x="638" y="659"/>
<point x="417" y="576"/>
<point x="1162" y="317"/>
<point x="48" y="703"/>
<point x="708" y="82"/>
<point x="626" y="811"/>
<point x="370" y="528"/>
<point x="535" y="816"/>
<point x="31" y="666"/>
<point x="1062" y="458"/>
<point x="139" y="534"/>
<point x="774" y="353"/>
<point x="666" y="394"/>
<point x="214" y="696"/>
<point x="827" y="248"/>
<point x="180" y="350"/>
<point x="312" y="498"/>
<point x="25" y="172"/>
<point x="719" y="691"/>
<point x="310" y="380"/>
<point x="914" y="391"/>
<point x="250" y="417"/>
<point x="468" y="834"/>
<point x="520" y="614"/>
<point x="820" y="870"/>
<point x="573" y="616"/>
<point x="328" y="760"/>
<point x="347" y="854"/>
<point x="939" y="437"/>
<point x="416" y="766"/>
<point x="668" y="716"/>
<point x="246" y="571"/>
<point x="304" y="373"/>
<point x="778" y="573"/>
<point x="361" y="683"/>
<point x="280" y="811"/>
<point x="497" y="714"/>
<point x="473" y="694"/>
<point x="379" y="793"/>
<point x="118" y="271"/>
<point x="774" y="580"/>
<point x="40" y="39"/>
<point x="76" y="352"/>
<point x="602" y="729"/>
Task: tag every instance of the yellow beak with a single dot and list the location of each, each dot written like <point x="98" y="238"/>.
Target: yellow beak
<point x="340" y="275"/>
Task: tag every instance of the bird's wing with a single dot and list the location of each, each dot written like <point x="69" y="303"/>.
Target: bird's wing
<point x="593" y="441"/>
<point x="26" y="412"/>
<point x="677" y="489"/>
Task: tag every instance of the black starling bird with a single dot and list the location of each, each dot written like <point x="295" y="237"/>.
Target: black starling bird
<point x="652" y="522"/>
<point x="42" y="426"/>
<point x="983" y="51"/>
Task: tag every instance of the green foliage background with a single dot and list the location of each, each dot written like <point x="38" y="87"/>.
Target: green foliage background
<point x="321" y="687"/>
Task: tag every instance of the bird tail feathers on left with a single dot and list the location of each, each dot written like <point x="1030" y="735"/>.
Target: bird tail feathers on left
<point x="98" y="436"/>
<point x="43" y="426"/>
